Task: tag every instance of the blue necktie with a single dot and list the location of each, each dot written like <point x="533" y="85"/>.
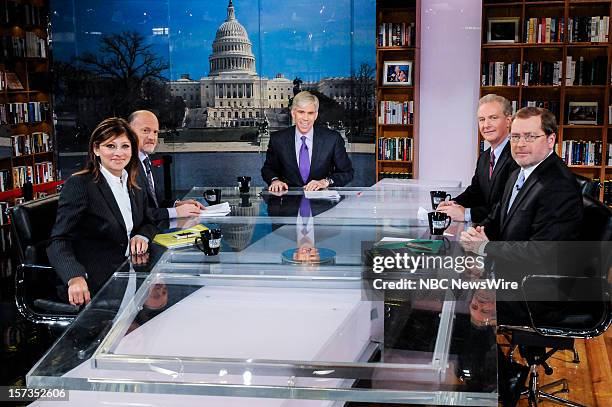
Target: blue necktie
<point x="517" y="187"/>
<point x="304" y="161"/>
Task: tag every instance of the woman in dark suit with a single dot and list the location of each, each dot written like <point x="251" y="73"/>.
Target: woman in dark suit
<point x="101" y="217"/>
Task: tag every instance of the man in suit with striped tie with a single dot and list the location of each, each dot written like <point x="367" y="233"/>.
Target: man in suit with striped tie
<point x="541" y="204"/>
<point x="541" y="200"/>
<point x="494" y="164"/>
<point x="146" y="126"/>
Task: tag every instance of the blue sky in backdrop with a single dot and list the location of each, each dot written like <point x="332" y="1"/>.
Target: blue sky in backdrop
<point x="305" y="38"/>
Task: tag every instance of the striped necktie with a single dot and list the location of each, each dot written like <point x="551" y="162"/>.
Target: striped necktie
<point x="147" y="164"/>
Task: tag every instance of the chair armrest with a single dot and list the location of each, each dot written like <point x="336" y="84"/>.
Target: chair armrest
<point x="60" y="315"/>
<point x="567" y="306"/>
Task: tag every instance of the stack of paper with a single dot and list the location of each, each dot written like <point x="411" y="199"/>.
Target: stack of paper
<point x="322" y="194"/>
<point x="221" y="209"/>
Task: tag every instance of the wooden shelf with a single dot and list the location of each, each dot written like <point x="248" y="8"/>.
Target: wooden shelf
<point x="396" y="12"/>
<point x="30" y="70"/>
<point x="587" y="45"/>
<point x="396" y="48"/>
<point x="17" y="192"/>
<point x="581" y="126"/>
<point x="559" y="96"/>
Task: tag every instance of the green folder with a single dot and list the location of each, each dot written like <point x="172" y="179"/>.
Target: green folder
<point x="418" y="246"/>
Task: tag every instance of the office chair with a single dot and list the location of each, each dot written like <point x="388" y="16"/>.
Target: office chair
<point x="36" y="282"/>
<point x="585" y="310"/>
<point x="588" y="186"/>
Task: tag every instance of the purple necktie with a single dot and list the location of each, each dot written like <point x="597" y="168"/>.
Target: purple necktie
<point x="491" y="164"/>
<point x="304" y="161"/>
<point x="305" y="207"/>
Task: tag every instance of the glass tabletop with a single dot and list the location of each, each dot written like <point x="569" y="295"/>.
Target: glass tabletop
<point x="317" y="336"/>
<point x="367" y="204"/>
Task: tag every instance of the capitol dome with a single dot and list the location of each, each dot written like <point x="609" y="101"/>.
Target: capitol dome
<point x="232" y="49"/>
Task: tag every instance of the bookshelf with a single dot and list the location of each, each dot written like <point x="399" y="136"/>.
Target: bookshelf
<point x="397" y="79"/>
<point x="27" y="136"/>
<point x="562" y="61"/>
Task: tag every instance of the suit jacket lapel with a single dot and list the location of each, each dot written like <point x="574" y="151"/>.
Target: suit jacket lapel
<point x="317" y="147"/>
<point x="527" y="186"/>
<point x="506" y="197"/>
<point x="136" y="204"/>
<point x="290" y="140"/>
<point x="498" y="167"/>
<point x="111" y="202"/>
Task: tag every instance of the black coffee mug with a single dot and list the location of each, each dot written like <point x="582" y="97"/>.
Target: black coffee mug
<point x="437" y="197"/>
<point x="212" y="196"/>
<point x="438" y="222"/>
<point x="209" y="241"/>
<point x="245" y="201"/>
<point x="244" y="184"/>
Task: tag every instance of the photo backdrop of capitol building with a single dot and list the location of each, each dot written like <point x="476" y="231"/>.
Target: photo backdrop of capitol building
<point x="204" y="66"/>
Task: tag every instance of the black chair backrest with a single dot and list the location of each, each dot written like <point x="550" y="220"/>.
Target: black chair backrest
<point x="588" y="187"/>
<point x="31" y="223"/>
<point x="597" y="222"/>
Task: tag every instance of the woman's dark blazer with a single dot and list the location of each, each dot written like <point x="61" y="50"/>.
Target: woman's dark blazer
<point x="89" y="237"/>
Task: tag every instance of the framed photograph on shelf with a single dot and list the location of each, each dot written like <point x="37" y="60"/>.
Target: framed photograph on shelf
<point x="582" y="113"/>
<point x="397" y="73"/>
<point x="503" y="30"/>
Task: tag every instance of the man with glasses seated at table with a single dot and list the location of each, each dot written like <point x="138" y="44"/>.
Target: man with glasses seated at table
<point x="305" y="156"/>
<point x="541" y="203"/>
<point x="541" y="200"/>
<point x="494" y="164"/>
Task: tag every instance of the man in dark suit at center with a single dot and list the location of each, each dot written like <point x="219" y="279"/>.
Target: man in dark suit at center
<point x="304" y="155"/>
<point x="494" y="165"/>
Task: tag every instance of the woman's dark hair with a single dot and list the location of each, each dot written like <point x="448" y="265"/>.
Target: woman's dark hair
<point x="109" y="129"/>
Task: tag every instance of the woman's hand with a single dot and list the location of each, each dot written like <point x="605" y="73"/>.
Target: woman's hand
<point x="78" y="292"/>
<point x="138" y="245"/>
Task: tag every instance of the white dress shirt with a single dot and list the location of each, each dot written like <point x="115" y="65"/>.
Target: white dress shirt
<point x="118" y="186"/>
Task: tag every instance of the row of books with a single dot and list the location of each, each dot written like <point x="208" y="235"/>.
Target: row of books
<point x="550" y="105"/>
<point x="544" y="30"/>
<point x="609" y="155"/>
<point x="497" y="73"/>
<point x="24" y="112"/>
<point x="586" y="72"/>
<point x="394" y="174"/>
<point x="500" y="73"/>
<point x="588" y="29"/>
<point x="28" y="46"/>
<point x="396" y="35"/>
<point x="41" y="172"/>
<point x="20" y="13"/>
<point x="5" y="180"/>
<point x="37" y="142"/>
<point x="393" y="112"/>
<point x="580" y="152"/>
<point x="395" y="148"/>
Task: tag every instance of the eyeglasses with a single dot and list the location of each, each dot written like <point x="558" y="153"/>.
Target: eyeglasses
<point x="528" y="137"/>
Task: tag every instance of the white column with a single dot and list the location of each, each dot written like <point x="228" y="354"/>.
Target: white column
<point x="449" y="89"/>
